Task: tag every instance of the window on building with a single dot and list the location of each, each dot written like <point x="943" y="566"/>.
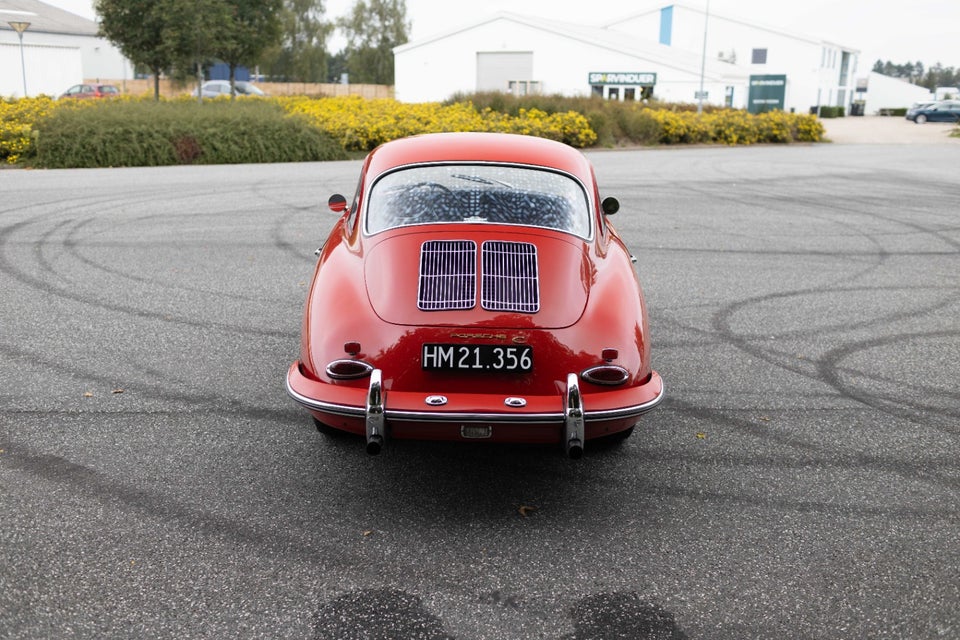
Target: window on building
<point x="517" y="87"/>
<point x="613" y="93"/>
<point x="630" y="94"/>
<point x="759" y="56"/>
<point x="597" y="90"/>
<point x="523" y="87"/>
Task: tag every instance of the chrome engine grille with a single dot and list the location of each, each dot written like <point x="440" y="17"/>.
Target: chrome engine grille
<point x="448" y="275"/>
<point x="510" y="277"/>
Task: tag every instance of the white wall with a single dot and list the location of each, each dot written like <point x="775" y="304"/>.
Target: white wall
<point x="812" y="77"/>
<point x="434" y="70"/>
<point x="49" y="69"/>
<point x="55" y="62"/>
<point x="884" y="92"/>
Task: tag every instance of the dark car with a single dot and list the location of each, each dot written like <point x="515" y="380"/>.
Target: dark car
<point x="945" y="111"/>
<point x="475" y="289"/>
<point x="216" y="88"/>
<point x="91" y="90"/>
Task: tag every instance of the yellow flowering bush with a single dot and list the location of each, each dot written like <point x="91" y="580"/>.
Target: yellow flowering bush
<point x="360" y="124"/>
<point x="732" y="127"/>
<point x="16" y="124"/>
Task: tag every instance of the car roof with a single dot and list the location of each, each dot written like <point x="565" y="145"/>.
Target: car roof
<point x="502" y="148"/>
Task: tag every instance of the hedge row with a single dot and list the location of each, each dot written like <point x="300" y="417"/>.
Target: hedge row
<point x="360" y="124"/>
<point x="146" y="133"/>
<point x="129" y="132"/>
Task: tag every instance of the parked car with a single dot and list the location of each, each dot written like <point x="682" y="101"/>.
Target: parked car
<point x="943" y="111"/>
<point x="91" y="90"/>
<point x="216" y="88"/>
<point x="475" y="289"/>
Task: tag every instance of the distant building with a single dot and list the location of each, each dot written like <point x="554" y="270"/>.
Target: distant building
<point x="878" y="92"/>
<point x="658" y="52"/>
<point x="947" y="93"/>
<point x="60" y="49"/>
<point x="787" y="71"/>
<point x="523" y="54"/>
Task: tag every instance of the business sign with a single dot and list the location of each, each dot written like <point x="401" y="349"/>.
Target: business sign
<point x="767" y="93"/>
<point x="638" y="79"/>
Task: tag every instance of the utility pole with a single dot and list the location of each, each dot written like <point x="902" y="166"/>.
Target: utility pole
<point x="703" y="59"/>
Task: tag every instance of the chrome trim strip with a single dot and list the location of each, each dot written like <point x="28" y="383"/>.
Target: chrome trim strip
<point x="592" y="205"/>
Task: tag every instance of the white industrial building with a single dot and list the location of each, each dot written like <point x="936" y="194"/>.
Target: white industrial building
<point x="788" y="71"/>
<point x="523" y="54"/>
<point x="59" y="49"/>
<point x="658" y="51"/>
<point x="879" y="93"/>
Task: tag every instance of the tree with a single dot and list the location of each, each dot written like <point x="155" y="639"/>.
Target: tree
<point x="373" y="28"/>
<point x="252" y="26"/>
<point x="195" y="32"/>
<point x="301" y="53"/>
<point x="931" y="78"/>
<point x="137" y="27"/>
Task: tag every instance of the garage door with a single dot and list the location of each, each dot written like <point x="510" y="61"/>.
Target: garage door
<point x="495" y="70"/>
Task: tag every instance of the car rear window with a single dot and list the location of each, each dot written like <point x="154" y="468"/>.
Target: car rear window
<point x="478" y="193"/>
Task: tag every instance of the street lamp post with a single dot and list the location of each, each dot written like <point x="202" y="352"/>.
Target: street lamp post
<point x="703" y="59"/>
<point x="20" y="27"/>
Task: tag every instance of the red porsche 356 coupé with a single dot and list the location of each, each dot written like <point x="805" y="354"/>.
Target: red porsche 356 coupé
<point x="475" y="290"/>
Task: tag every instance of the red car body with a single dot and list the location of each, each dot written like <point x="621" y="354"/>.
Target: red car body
<point x="475" y="290"/>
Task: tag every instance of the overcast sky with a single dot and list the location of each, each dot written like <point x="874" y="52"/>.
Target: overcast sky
<point x="924" y="30"/>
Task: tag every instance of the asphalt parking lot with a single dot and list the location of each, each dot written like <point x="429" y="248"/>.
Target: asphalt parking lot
<point x="799" y="481"/>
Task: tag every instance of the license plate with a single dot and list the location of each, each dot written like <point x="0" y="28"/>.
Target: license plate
<point x="477" y="357"/>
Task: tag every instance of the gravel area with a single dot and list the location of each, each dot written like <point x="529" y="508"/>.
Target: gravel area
<point x="887" y="130"/>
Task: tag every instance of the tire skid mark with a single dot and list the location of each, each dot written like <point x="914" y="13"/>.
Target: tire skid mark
<point x="819" y="456"/>
<point x="903" y="407"/>
<point x="722" y="318"/>
<point x="826" y="367"/>
<point x="103" y="489"/>
<point x="200" y="402"/>
<point x="879" y="256"/>
<point x="61" y="292"/>
<point x="73" y="246"/>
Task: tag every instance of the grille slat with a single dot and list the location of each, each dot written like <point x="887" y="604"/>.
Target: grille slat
<point x="510" y="277"/>
<point x="448" y="275"/>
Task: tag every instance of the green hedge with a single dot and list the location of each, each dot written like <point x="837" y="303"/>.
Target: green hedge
<point x="138" y="132"/>
<point x="831" y="112"/>
<point x="145" y="133"/>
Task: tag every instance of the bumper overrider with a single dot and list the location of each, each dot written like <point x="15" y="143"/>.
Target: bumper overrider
<point x="373" y="411"/>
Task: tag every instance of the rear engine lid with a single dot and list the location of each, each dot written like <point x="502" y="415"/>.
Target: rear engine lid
<point x="503" y="280"/>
